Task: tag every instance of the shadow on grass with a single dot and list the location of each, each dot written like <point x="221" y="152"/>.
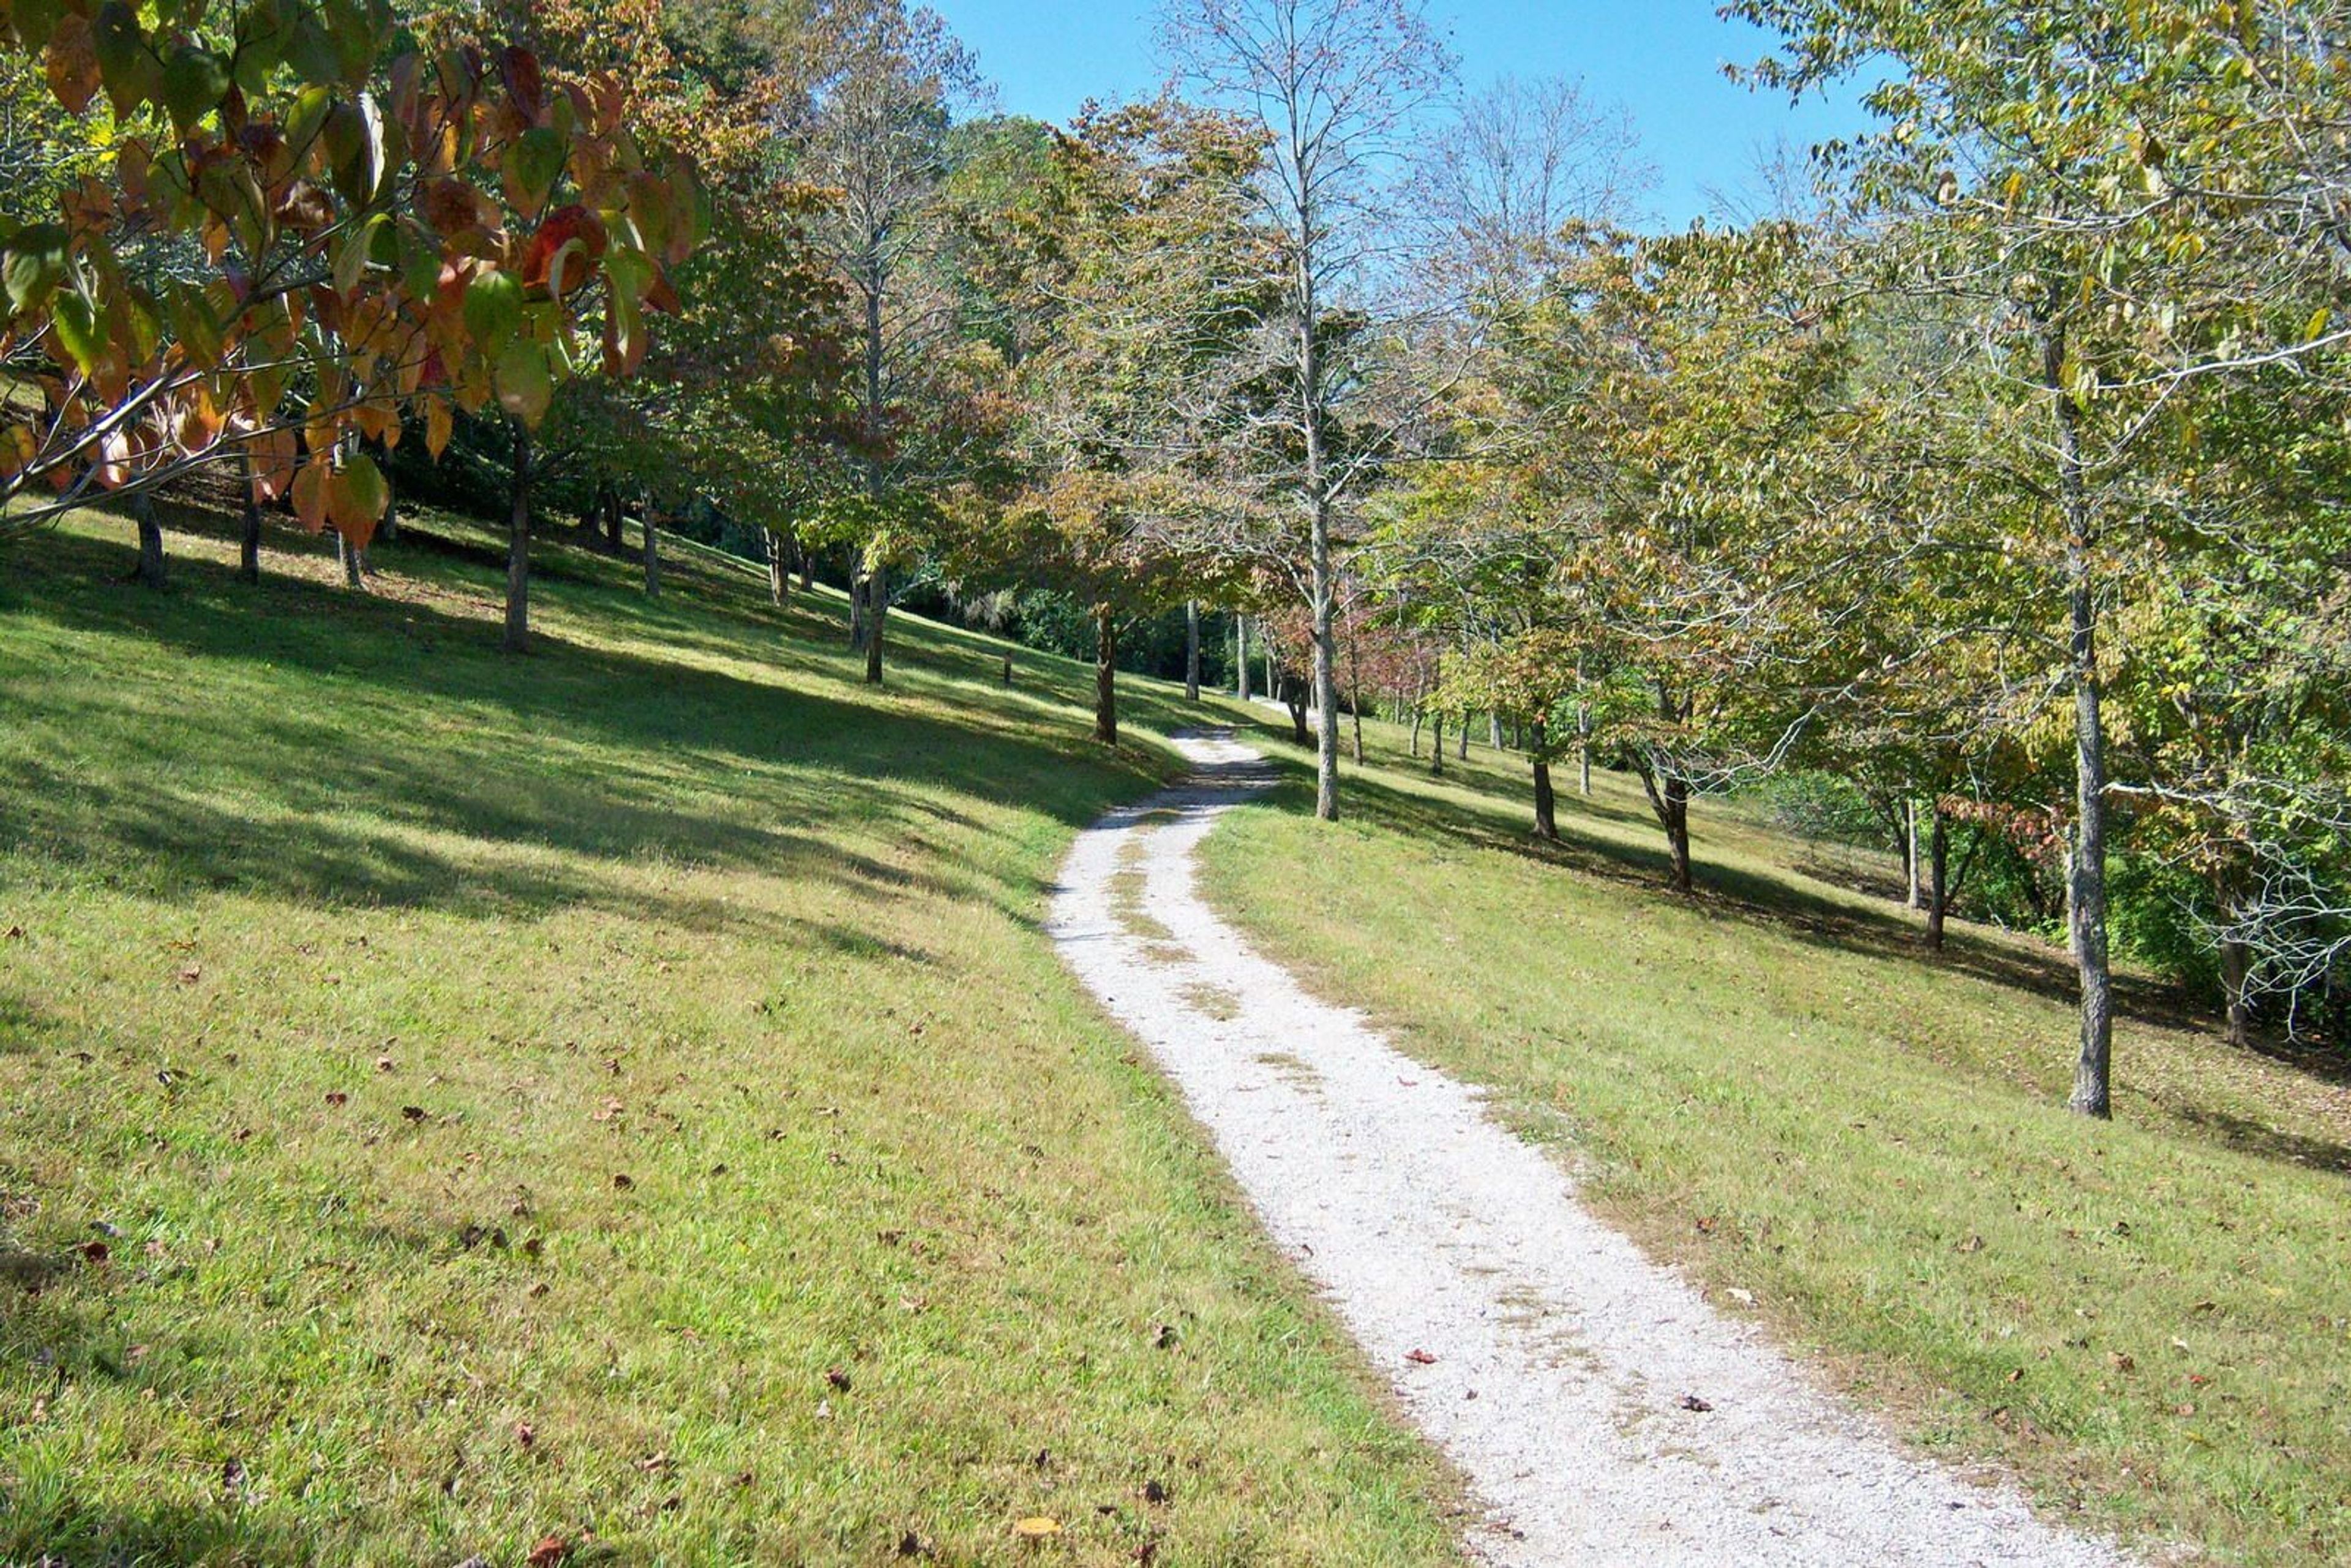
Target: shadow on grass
<point x="1730" y="893"/>
<point x="400" y="724"/>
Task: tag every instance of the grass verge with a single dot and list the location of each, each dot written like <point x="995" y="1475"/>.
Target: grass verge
<point x="1771" y="1085"/>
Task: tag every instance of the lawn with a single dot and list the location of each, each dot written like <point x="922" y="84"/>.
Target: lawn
<point x="1772" y="1085"/>
<point x="620" y="1097"/>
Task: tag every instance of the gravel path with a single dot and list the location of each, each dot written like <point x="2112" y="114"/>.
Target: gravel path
<point x="1601" y="1410"/>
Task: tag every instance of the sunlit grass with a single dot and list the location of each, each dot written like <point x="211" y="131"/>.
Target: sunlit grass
<point x="1772" y="1085"/>
<point x="621" y="1093"/>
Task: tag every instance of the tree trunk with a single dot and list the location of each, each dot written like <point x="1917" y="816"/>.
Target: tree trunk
<point x="1910" y="852"/>
<point x="387" y="527"/>
<point x="1241" y="659"/>
<point x="1295" y="696"/>
<point x="518" y="638"/>
<point x="652" y="550"/>
<point x="612" y="510"/>
<point x="2236" y="975"/>
<point x="2236" y="960"/>
<point x="1191" y="650"/>
<point x="1938" y="877"/>
<point x="1546" y="805"/>
<point x="807" y="565"/>
<point x="150" y="572"/>
<point x="2087" y="877"/>
<point x="1105" y="675"/>
<point x="1461" y="738"/>
<point x="779" y="573"/>
<point x="248" y="547"/>
<point x="877" y="612"/>
<point x="1493" y="731"/>
<point x="1583" y="747"/>
<point x="1676" y="820"/>
<point x="354" y="562"/>
<point x="1355" y="697"/>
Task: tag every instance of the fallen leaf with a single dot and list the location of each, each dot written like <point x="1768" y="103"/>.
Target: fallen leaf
<point x="413" y="1112"/>
<point x="1743" y="1297"/>
<point x="525" y="1434"/>
<point x="654" y="1464"/>
<point x="16" y="934"/>
<point x="1037" y="1527"/>
<point x="606" y="1111"/>
<point x="912" y="1545"/>
<point x="96" y="1252"/>
<point x="1165" y="1338"/>
<point x="1154" y="1492"/>
<point x="232" y="1476"/>
<point x="192" y="974"/>
<point x="337" y="1097"/>
<point x="623" y="1181"/>
<point x="550" y="1551"/>
<point x="837" y="1377"/>
<point x="1692" y="1402"/>
<point x="384" y="1064"/>
<point x="1420" y="1358"/>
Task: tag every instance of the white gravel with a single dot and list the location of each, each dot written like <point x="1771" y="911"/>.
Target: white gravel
<point x="1554" y="1363"/>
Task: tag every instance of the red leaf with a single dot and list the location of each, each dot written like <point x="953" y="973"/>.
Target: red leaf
<point x="563" y="227"/>
<point x="1420" y="1358"/>
<point x="518" y="68"/>
<point x="550" y="1551"/>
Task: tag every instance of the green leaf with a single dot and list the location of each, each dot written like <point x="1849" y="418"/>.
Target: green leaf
<point x="194" y="82"/>
<point x="34" y="263"/>
<point x="125" y="63"/>
<point x="493" y="312"/>
<point x="524" y="386"/>
<point x="77" y="324"/>
<point x="532" y="167"/>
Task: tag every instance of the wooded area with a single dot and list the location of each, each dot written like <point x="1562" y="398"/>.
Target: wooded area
<point x="1983" y="494"/>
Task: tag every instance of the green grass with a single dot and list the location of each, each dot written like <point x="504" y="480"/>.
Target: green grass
<point x="621" y="1093"/>
<point x="1772" y="1086"/>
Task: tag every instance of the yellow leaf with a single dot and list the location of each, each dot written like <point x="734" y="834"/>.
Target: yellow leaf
<point x="438" y="423"/>
<point x="1036" y="1527"/>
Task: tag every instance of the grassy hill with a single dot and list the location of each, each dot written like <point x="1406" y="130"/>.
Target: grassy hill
<point x="1773" y="1085"/>
<point x="621" y="1094"/>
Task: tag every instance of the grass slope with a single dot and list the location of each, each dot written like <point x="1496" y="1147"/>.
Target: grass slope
<point x="1772" y="1086"/>
<point x="620" y="1094"/>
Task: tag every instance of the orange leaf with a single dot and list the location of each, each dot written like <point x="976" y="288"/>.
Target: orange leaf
<point x="310" y="488"/>
<point x="73" y="63"/>
<point x="438" y="423"/>
<point x="274" y="456"/>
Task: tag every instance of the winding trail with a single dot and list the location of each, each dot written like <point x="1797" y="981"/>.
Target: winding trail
<point x="1602" y="1411"/>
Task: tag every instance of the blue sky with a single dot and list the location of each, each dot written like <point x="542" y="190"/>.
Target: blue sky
<point x="1660" y="58"/>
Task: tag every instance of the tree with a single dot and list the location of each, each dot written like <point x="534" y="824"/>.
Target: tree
<point x="877" y="140"/>
<point x="2130" y="200"/>
<point x="1131" y="277"/>
<point x="1340" y="87"/>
